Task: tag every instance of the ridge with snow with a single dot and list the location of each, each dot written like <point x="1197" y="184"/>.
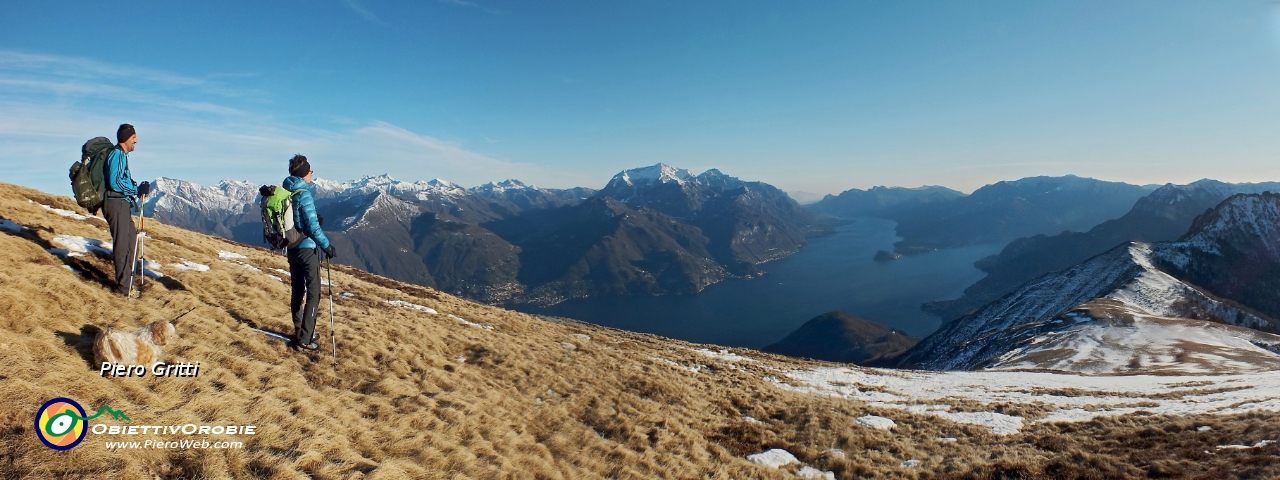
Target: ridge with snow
<point x="1137" y="307"/>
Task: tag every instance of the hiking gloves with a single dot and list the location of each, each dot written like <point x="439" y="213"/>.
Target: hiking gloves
<point x="144" y="189"/>
<point x="331" y="252"/>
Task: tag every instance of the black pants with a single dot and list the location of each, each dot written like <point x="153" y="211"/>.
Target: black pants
<point x="123" y="237"/>
<point x="304" y="273"/>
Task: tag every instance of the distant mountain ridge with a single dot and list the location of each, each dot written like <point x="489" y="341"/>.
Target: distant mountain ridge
<point x="883" y="201"/>
<point x="930" y="218"/>
<point x="1045" y="323"/>
<point x="1163" y="215"/>
<point x="653" y="231"/>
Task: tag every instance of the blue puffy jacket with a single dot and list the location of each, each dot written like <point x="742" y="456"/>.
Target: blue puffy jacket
<point x="304" y="213"/>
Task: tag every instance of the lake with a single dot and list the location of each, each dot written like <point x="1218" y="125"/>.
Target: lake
<point x="834" y="272"/>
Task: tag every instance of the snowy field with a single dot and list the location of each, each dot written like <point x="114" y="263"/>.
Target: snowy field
<point x="1064" y="397"/>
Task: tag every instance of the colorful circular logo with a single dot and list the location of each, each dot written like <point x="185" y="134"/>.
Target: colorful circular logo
<point x="60" y="423"/>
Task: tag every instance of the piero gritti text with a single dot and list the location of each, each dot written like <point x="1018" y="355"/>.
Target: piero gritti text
<point x="159" y="369"/>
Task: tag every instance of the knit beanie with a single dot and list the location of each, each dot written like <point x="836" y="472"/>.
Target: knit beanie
<point x="298" y="166"/>
<point x="124" y="132"/>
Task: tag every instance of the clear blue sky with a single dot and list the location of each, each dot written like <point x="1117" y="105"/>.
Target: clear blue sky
<point x="810" y="96"/>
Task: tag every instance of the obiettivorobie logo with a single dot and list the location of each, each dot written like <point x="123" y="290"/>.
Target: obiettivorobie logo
<point x="61" y="423"/>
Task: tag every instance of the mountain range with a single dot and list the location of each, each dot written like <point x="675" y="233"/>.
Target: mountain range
<point x="930" y="218"/>
<point x="662" y="230"/>
<point x="1163" y="215"/>
<point x="1204" y="303"/>
<point x="651" y="231"/>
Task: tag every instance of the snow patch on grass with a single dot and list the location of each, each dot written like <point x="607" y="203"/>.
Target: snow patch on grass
<point x="188" y="265"/>
<point x="873" y="421"/>
<point x="402" y="303"/>
<point x="465" y="322"/>
<point x="1240" y="447"/>
<point x="76" y="244"/>
<point x="225" y="255"/>
<point x="691" y="368"/>
<point x="810" y="472"/>
<point x="1065" y="397"/>
<point x="724" y="355"/>
<point x="773" y="458"/>
<point x="66" y="213"/>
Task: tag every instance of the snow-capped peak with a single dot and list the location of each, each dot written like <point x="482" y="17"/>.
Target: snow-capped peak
<point x="385" y="205"/>
<point x="441" y="183"/>
<point x="660" y="173"/>
<point x="1247" y="224"/>
<point x="503" y="186"/>
<point x="227" y="196"/>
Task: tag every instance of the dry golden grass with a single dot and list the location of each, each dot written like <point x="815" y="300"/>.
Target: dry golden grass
<point x="417" y="395"/>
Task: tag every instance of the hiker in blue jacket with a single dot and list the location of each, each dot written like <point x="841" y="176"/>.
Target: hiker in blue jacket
<point x="305" y="258"/>
<point x="122" y="197"/>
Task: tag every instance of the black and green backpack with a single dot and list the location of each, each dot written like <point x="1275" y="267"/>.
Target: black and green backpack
<point x="87" y="175"/>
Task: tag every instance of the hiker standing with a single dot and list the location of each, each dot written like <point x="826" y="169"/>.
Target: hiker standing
<point x="305" y="258"/>
<point x="121" y="197"/>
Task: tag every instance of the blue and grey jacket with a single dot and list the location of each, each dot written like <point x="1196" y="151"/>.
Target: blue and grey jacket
<point x="120" y="182"/>
<point x="304" y="213"/>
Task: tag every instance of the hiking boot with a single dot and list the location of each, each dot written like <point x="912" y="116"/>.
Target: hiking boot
<point x="310" y="346"/>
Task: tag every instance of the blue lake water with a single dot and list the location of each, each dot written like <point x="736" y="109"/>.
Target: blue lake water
<point x="834" y="272"/>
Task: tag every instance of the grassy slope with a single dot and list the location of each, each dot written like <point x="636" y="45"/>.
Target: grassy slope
<point x="425" y="396"/>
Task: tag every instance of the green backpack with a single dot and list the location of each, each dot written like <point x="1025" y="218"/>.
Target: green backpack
<point x="87" y="175"/>
<point x="278" y="228"/>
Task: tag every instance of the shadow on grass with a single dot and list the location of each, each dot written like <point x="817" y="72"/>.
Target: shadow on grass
<point x="274" y="335"/>
<point x="85" y="266"/>
<point x="82" y="342"/>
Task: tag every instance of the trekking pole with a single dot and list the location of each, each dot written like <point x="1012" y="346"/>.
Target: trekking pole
<point x="333" y="337"/>
<point x="137" y="268"/>
<point x="133" y="270"/>
<point x="142" y="235"/>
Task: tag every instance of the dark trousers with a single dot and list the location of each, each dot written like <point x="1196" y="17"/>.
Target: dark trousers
<point x="123" y="237"/>
<point x="304" y="273"/>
